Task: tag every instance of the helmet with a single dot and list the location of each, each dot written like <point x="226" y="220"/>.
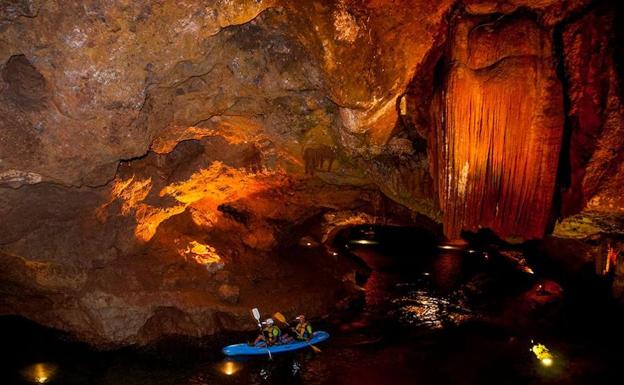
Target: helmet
<point x="269" y="321"/>
<point x="300" y="317"/>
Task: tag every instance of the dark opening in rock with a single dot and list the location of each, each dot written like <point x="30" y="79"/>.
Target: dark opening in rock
<point x="27" y="87"/>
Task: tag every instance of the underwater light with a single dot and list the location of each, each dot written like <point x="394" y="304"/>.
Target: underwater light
<point x="364" y="242"/>
<point x="39" y="373"/>
<point x="543" y="354"/>
<point x="449" y="247"/>
<point x="229" y="368"/>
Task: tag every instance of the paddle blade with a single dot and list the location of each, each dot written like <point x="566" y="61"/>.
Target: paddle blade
<point x="316" y="350"/>
<point x="280" y="317"/>
<point x="256" y="313"/>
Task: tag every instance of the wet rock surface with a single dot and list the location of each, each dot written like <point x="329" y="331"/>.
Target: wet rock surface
<point x="153" y="167"/>
<point x="502" y="98"/>
<point x="595" y="114"/>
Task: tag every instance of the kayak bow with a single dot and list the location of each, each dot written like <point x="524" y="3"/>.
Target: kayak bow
<point x="261" y="349"/>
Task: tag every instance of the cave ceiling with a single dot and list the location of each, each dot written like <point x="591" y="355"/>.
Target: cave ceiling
<point x="187" y="136"/>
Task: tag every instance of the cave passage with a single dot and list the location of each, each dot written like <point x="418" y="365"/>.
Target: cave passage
<point x="437" y="185"/>
<point x="456" y="314"/>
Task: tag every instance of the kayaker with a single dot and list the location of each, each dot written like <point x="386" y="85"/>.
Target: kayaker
<point x="303" y="329"/>
<point x="270" y="333"/>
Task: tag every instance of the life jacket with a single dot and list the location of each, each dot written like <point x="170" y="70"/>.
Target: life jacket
<point x="303" y="330"/>
<point x="272" y="333"/>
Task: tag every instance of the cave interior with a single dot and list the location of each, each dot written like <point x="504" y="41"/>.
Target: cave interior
<point x="166" y="166"/>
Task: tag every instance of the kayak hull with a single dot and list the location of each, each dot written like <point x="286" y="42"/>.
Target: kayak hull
<point x="246" y="350"/>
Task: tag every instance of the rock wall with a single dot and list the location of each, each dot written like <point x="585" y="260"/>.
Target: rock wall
<point x="151" y="156"/>
<point x="95" y="62"/>
<point x="152" y="168"/>
<point x="592" y="163"/>
<point x="182" y="243"/>
<point x="595" y="115"/>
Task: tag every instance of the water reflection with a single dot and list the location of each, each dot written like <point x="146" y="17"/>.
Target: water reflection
<point x="296" y="367"/>
<point x="447" y="269"/>
<point x="229" y="367"/>
<point x="413" y="328"/>
<point x="39" y="373"/>
<point x="420" y="307"/>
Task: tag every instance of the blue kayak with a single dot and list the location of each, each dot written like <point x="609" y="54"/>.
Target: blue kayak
<point x="261" y="349"/>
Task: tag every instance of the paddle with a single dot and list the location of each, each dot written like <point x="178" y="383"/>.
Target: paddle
<point x="256" y="314"/>
<point x="280" y="317"/>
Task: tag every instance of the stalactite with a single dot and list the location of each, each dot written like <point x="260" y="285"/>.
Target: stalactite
<point x="499" y="132"/>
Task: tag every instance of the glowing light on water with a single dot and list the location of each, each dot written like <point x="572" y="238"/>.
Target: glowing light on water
<point x="425" y="309"/>
<point x="308" y="242"/>
<point x="364" y="242"/>
<point x="542" y="354"/>
<point x="449" y="247"/>
<point x="39" y="373"/>
<point x="229" y="367"/>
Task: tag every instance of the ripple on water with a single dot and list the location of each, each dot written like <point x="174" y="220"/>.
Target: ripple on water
<point x="421" y="307"/>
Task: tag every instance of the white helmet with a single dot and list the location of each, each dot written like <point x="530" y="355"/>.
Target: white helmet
<point x="269" y="321"/>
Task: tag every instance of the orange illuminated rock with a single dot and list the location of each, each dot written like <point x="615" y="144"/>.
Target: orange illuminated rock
<point x="229" y="293"/>
<point x="595" y="162"/>
<point x="497" y="143"/>
<point x="203" y="254"/>
<point x="86" y="70"/>
<point x="369" y="52"/>
<point x="135" y="131"/>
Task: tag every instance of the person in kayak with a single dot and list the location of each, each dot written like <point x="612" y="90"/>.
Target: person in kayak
<point x="270" y="333"/>
<point x="303" y="329"/>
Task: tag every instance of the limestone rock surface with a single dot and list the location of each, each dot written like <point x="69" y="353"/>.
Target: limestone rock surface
<point x="153" y="175"/>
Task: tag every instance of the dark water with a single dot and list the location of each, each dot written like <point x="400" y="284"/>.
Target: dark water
<point x="430" y="316"/>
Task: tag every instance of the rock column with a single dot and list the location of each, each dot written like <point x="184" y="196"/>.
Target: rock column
<point x="499" y="127"/>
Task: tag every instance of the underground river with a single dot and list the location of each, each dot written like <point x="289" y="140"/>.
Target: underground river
<point x="430" y="313"/>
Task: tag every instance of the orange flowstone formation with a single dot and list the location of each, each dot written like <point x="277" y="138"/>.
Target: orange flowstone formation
<point x="499" y="134"/>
